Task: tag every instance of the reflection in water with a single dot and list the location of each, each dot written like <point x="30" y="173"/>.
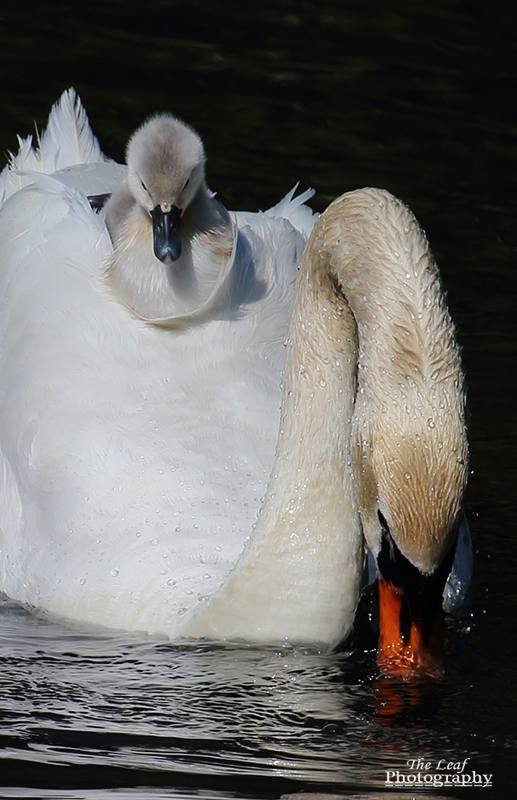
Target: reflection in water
<point x="398" y="701"/>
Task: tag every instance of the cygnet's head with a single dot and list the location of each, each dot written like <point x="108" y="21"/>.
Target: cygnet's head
<point x="166" y="168"/>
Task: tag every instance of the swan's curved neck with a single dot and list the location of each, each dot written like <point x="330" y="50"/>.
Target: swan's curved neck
<point x="373" y="420"/>
<point x="175" y="294"/>
<point x="411" y="451"/>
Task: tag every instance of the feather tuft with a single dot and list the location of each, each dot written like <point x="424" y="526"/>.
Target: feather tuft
<point x="68" y="139"/>
<point x="294" y="209"/>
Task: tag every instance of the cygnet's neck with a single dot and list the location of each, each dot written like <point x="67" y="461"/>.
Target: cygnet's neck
<point x="170" y="294"/>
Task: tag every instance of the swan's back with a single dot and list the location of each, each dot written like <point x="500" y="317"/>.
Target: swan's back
<point x="134" y="459"/>
<point x="67" y="141"/>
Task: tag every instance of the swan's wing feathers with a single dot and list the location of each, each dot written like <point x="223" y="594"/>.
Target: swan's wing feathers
<point x="52" y="185"/>
<point x="11" y="177"/>
<point x="68" y="138"/>
<point x="294" y="209"/>
<point x="102" y="177"/>
<point x="274" y="247"/>
<point x="275" y="240"/>
<point x="67" y="141"/>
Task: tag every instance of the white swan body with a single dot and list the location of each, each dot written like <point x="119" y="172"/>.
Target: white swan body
<point x="136" y="457"/>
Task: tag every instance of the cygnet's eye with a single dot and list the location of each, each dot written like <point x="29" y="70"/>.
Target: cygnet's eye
<point x="144" y="187"/>
<point x="185" y="184"/>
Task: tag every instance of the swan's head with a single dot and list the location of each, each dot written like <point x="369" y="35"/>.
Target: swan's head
<point x="166" y="169"/>
<point x="412" y="483"/>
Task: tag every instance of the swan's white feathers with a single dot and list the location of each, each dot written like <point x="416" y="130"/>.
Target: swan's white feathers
<point x="91" y="179"/>
<point x="68" y="138"/>
<point x="294" y="209"/>
<point x="67" y="141"/>
<point x="140" y="407"/>
<point x="133" y="459"/>
<point x="11" y="177"/>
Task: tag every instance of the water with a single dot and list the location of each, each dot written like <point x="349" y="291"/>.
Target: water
<point x="416" y="98"/>
<point x="83" y="713"/>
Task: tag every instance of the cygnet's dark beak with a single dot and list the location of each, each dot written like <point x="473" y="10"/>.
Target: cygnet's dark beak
<point x="166" y="234"/>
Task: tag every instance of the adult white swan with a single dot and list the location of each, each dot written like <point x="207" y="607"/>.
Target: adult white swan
<point x="140" y="400"/>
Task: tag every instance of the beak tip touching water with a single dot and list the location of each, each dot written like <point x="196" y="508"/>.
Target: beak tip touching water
<point x="408" y="647"/>
<point x="411" y="617"/>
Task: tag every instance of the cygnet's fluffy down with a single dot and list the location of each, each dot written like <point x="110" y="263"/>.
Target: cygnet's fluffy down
<point x="165" y="222"/>
<point x="166" y="162"/>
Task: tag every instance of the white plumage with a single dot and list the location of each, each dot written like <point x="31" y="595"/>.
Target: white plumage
<point x="134" y="459"/>
<point x="148" y="479"/>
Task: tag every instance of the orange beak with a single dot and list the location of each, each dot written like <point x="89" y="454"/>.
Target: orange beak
<point x="407" y="647"/>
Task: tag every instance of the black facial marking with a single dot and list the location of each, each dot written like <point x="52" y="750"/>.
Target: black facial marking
<point x="423" y="592"/>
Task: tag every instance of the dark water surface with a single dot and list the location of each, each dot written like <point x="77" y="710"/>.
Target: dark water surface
<point x="416" y="98"/>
